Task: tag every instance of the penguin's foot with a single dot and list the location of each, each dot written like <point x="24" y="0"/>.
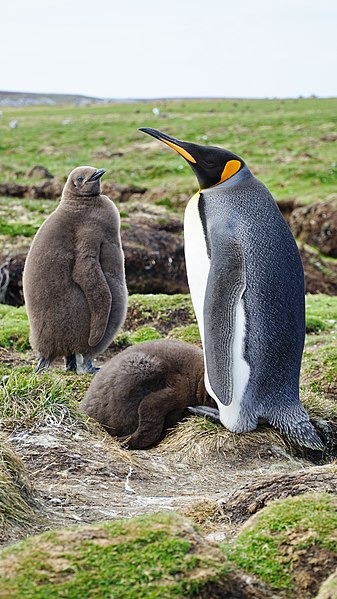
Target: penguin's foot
<point x="210" y="413"/>
<point x="303" y="433"/>
<point x="43" y="364"/>
<point x="71" y="363"/>
<point x="87" y="366"/>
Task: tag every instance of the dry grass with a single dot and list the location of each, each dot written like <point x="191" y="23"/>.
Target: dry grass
<point x="115" y="449"/>
<point x="18" y="506"/>
<point x="207" y="513"/>
<point x="197" y="439"/>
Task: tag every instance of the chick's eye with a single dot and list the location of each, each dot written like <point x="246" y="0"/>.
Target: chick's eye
<point x="80" y="179"/>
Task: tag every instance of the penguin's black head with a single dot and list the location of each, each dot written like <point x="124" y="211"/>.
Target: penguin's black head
<point x="84" y="181"/>
<point x="210" y="164"/>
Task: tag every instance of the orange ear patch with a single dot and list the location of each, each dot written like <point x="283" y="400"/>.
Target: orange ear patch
<point x="231" y="167"/>
<point x="180" y="150"/>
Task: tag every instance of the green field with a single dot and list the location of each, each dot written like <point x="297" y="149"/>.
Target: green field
<point x="288" y="144"/>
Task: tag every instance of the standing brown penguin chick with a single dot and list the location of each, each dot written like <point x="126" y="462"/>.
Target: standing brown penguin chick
<point x="146" y="389"/>
<point x="74" y="279"/>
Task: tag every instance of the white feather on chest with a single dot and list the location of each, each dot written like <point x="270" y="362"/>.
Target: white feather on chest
<point x="198" y="266"/>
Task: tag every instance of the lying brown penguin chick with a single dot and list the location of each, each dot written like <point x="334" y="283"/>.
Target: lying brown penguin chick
<point x="146" y="389"/>
<point x="74" y="279"/>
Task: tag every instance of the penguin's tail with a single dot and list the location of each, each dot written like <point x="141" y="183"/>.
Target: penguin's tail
<point x="298" y="428"/>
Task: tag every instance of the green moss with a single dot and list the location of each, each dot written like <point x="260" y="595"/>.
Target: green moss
<point x="164" y="312"/>
<point x="160" y="304"/>
<point x="14" y="327"/>
<point x="148" y="557"/>
<point x="269" y="547"/>
<point x="144" y="334"/>
<point x="190" y="333"/>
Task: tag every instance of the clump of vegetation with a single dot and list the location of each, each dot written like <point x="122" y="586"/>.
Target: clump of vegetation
<point x="321" y="313"/>
<point x="144" y="557"/>
<point x="189" y="333"/>
<point x="291" y="544"/>
<point x="196" y="440"/>
<point x="16" y="229"/>
<point x="144" y="334"/>
<point x="164" y="312"/>
<point x="14" y="329"/>
<point x="319" y="372"/>
<point x="28" y="400"/>
<point x="18" y="507"/>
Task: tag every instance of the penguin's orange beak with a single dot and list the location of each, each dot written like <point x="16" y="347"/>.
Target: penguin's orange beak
<point x="176" y="144"/>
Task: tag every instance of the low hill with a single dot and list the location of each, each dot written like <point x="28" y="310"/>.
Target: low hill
<point x="27" y="99"/>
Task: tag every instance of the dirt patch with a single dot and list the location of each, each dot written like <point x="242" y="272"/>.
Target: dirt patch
<point x="310" y="566"/>
<point x="316" y="225"/>
<point x="320" y="275"/>
<point x="8" y="357"/>
<point x="80" y="476"/>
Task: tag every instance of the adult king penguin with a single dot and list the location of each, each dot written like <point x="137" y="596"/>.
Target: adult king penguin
<point x="247" y="287"/>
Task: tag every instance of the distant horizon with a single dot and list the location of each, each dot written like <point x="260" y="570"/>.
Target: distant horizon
<point x="173" y="97"/>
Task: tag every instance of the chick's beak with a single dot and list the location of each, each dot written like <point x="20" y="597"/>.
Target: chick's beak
<point x="97" y="175"/>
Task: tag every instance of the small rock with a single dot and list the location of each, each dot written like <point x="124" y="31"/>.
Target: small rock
<point x="51" y="189"/>
<point x="39" y="172"/>
<point x="13" y="190"/>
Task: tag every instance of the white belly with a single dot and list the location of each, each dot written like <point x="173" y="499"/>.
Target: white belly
<point x="198" y="266"/>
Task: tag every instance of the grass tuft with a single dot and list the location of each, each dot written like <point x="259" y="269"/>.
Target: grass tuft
<point x="14" y="327"/>
<point x="28" y="400"/>
<point x="18" y="507"/>
<point x="198" y="439"/>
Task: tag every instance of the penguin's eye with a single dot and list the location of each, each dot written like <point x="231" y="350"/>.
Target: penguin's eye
<point x="80" y="179"/>
<point x="209" y="163"/>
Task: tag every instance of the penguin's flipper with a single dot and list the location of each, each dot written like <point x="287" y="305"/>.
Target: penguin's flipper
<point x="87" y="273"/>
<point x="225" y="286"/>
<point x="210" y="413"/>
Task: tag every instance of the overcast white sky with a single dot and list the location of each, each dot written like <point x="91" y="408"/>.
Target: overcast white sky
<point x="148" y="48"/>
